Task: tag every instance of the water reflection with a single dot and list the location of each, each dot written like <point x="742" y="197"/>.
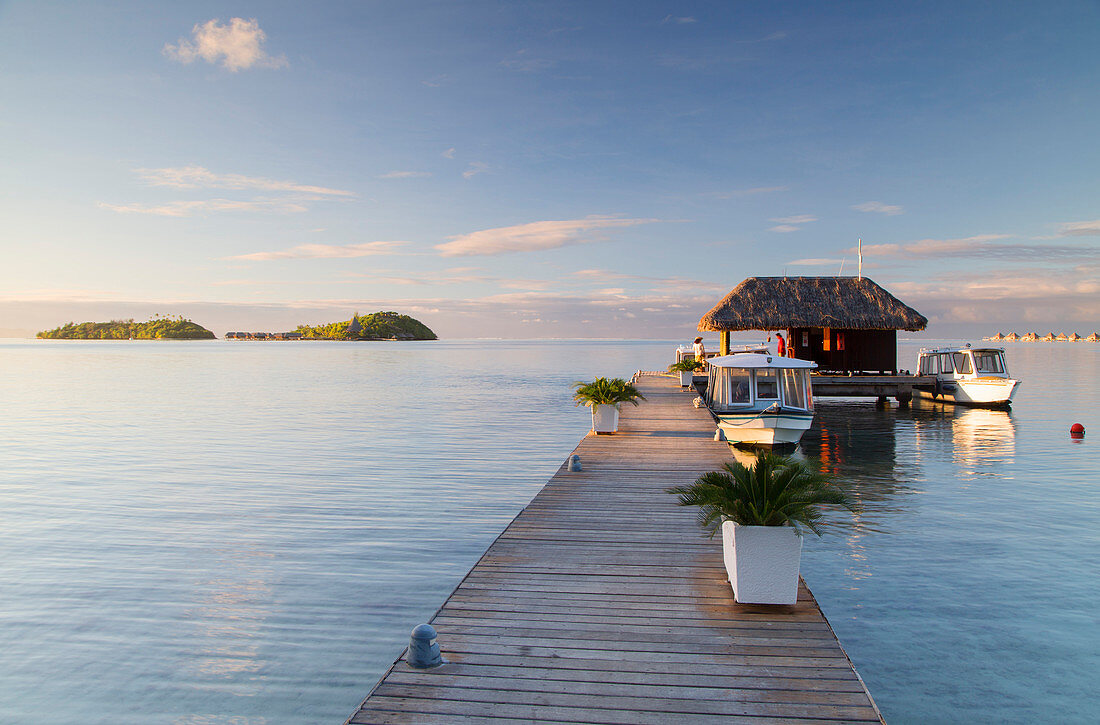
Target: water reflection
<point x="229" y="621"/>
<point x="980" y="441"/>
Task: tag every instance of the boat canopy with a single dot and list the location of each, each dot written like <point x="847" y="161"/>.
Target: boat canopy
<point x="759" y="360"/>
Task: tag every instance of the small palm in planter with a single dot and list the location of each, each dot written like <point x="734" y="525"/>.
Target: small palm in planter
<point x="763" y="510"/>
<point x="687" y="368"/>
<point x="605" y="396"/>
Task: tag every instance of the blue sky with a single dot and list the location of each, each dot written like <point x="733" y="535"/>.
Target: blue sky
<point x="544" y="169"/>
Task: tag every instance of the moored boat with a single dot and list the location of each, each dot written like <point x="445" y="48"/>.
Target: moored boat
<point x="759" y="399"/>
<point x="970" y="376"/>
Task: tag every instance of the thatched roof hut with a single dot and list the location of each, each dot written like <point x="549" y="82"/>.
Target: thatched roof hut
<point x="1031" y="337"/>
<point x="844" y="324"/>
<point x="1012" y="337"/>
<point x="1074" y="338"/>
<point x="1094" y="337"/>
<point x="774" y="303"/>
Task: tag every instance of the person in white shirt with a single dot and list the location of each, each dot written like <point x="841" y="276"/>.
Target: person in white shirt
<point x="700" y="353"/>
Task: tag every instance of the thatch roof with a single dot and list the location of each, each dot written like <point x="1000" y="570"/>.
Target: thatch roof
<point x="774" y="303"/>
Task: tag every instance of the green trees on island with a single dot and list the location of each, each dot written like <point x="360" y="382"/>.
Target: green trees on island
<point x="377" y="326"/>
<point x="158" y="328"/>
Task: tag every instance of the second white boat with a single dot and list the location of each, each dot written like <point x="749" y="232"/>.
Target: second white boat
<point x="970" y="376"/>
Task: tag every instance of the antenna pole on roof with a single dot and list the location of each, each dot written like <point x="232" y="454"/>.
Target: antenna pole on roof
<point x="860" y="247"/>
<point x="841" y="272"/>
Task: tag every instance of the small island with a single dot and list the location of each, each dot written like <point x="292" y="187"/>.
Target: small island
<point x="377" y="326"/>
<point x="158" y="328"/>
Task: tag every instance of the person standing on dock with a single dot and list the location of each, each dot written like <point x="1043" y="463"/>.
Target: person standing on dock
<point x="782" y="344"/>
<point x="700" y="351"/>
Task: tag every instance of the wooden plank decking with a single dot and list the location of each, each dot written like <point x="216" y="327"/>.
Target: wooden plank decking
<point x="603" y="603"/>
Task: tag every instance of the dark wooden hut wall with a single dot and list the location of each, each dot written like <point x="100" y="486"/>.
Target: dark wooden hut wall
<point x="846" y="350"/>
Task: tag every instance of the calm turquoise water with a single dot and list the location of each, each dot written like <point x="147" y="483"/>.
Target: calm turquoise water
<point x="215" y="533"/>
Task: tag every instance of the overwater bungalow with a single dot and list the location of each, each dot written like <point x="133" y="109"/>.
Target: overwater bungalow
<point x="996" y="338"/>
<point x="1012" y="337"/>
<point x="1062" y="337"/>
<point x="844" y="324"/>
<point x="1075" y="338"/>
<point x="1049" y="337"/>
<point x="1094" y="337"/>
<point x="1031" y="337"/>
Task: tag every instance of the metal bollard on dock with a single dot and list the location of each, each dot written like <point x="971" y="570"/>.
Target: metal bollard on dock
<point x="423" y="648"/>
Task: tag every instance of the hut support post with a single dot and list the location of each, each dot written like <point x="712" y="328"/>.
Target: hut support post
<point x="724" y="342"/>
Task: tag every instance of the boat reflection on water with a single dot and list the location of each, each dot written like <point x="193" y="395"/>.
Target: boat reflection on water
<point x="981" y="441"/>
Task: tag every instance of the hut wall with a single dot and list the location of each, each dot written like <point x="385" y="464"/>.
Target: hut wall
<point x="846" y="350"/>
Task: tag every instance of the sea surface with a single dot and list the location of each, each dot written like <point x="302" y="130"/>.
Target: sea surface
<point x="243" y="533"/>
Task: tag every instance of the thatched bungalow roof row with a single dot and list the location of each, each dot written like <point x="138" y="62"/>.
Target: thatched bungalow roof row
<point x="769" y="303"/>
<point x="1049" y="337"/>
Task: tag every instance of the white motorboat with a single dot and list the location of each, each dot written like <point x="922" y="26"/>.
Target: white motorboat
<point x="760" y="399"/>
<point x="969" y="376"/>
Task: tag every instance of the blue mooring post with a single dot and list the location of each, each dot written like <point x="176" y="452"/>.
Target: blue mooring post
<point x="423" y="649"/>
<point x="574" y="462"/>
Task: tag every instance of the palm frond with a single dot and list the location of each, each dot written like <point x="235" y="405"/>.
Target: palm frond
<point x="606" y="391"/>
<point x="774" y="491"/>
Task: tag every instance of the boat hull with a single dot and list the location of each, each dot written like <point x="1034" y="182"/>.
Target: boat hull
<point x="764" y="429"/>
<point x="978" y="392"/>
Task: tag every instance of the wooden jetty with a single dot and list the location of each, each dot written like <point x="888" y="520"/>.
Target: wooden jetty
<point x="602" y="602"/>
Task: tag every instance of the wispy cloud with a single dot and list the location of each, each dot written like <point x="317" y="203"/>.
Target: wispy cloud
<point x="406" y="175"/>
<point x="685" y="20"/>
<point x="879" y="208"/>
<point x="984" y="246"/>
<point x="449" y="153"/>
<point x="324" y="251"/>
<point x="815" y="262"/>
<point x="198" y="177"/>
<point x="1079" y="229"/>
<point x="293" y="197"/>
<point x="650" y="283"/>
<point x="798" y="219"/>
<point x="475" y="168"/>
<point x="1012" y="296"/>
<point x="748" y="192"/>
<point x="789" y="224"/>
<point x="237" y="45"/>
<point x="187" y="208"/>
<point x="535" y="236"/>
<point x="525" y="63"/>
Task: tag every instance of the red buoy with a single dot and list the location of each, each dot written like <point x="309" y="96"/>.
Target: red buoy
<point x="1077" y="431"/>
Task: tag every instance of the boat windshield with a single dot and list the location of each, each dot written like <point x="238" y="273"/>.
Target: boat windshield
<point x="962" y="363"/>
<point x="796" y="389"/>
<point x="989" y="361"/>
<point x="729" y="388"/>
<point x="767" y="385"/>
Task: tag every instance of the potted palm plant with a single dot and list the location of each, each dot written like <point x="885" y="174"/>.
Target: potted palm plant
<point x="604" y="396"/>
<point x="763" y="511"/>
<point x="687" y="369"/>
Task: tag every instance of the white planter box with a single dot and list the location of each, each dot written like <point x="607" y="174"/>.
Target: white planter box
<point x="762" y="562"/>
<point x="605" y="418"/>
<point x="685" y="378"/>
